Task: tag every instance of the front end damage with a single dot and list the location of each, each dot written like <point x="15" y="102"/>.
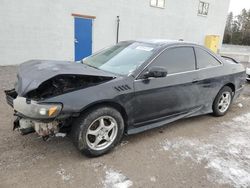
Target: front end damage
<point x="31" y="90"/>
<point x="33" y="116"/>
<point x="26" y="126"/>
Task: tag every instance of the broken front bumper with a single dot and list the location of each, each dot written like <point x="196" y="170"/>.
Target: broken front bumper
<point x="26" y="126"/>
<point x="33" y="115"/>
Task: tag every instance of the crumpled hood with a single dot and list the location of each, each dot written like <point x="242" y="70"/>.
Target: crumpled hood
<point x="32" y="74"/>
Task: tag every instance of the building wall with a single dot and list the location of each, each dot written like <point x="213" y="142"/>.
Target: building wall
<point x="44" y="29"/>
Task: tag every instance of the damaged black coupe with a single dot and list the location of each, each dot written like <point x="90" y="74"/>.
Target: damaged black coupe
<point x="125" y="89"/>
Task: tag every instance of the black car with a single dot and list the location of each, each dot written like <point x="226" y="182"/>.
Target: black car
<point x="125" y="89"/>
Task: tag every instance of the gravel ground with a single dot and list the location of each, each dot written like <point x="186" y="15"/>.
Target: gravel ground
<point x="197" y="152"/>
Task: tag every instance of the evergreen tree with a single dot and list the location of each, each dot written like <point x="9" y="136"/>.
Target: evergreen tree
<point x="237" y="29"/>
<point x="228" y="30"/>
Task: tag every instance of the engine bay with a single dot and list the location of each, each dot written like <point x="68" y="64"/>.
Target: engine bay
<point x="62" y="84"/>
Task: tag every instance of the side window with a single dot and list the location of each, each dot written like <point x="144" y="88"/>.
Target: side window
<point x="204" y="59"/>
<point x="176" y="60"/>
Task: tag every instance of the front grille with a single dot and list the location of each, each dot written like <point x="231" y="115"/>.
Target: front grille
<point x="10" y="96"/>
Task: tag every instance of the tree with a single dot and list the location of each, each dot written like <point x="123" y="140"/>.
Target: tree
<point x="237" y="29"/>
<point x="246" y="27"/>
<point x="228" y="30"/>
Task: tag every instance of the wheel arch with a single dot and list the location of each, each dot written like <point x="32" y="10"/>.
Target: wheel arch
<point x="215" y="107"/>
<point x="231" y="85"/>
<point x="112" y="104"/>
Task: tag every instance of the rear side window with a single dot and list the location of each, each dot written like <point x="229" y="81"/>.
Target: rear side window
<point x="204" y="59"/>
<point x="177" y="60"/>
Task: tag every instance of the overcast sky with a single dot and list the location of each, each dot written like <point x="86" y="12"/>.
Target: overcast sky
<point x="237" y="5"/>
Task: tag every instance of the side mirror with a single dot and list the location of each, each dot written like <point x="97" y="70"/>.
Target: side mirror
<point x="155" y="72"/>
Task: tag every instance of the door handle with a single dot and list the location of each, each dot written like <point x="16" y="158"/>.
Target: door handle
<point x="76" y="41"/>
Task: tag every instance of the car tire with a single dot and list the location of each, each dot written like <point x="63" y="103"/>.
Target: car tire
<point x="92" y="132"/>
<point x="222" y="101"/>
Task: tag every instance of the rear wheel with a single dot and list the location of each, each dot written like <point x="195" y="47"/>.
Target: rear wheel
<point x="222" y="101"/>
<point x="98" y="131"/>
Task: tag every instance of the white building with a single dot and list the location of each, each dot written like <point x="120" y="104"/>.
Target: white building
<point x="46" y="29"/>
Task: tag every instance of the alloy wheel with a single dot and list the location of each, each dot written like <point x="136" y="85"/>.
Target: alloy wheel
<point x="224" y="101"/>
<point x="102" y="133"/>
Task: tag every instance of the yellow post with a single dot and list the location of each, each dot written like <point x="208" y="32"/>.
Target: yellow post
<point x="212" y="42"/>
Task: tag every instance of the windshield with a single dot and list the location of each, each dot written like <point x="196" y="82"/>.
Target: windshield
<point x="122" y="58"/>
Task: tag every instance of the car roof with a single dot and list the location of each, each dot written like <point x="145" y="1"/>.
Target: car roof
<point x="164" y="42"/>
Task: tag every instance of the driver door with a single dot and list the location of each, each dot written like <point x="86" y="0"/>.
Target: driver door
<point x="158" y="98"/>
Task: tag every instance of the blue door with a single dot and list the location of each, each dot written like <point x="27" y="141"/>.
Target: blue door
<point x="83" y="38"/>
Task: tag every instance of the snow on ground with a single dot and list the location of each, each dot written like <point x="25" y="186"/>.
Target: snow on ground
<point x="64" y="175"/>
<point x="153" y="179"/>
<point x="124" y="142"/>
<point x="61" y="135"/>
<point x="240" y="105"/>
<point x="114" y="179"/>
<point x="226" y="154"/>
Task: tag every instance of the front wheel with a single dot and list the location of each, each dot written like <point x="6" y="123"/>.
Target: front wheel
<point x="222" y="101"/>
<point x="98" y="131"/>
